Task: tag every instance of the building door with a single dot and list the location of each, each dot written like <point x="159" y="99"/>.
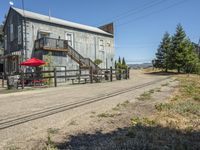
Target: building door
<point x="45" y="35"/>
<point x="69" y="37"/>
<point x="102" y="57"/>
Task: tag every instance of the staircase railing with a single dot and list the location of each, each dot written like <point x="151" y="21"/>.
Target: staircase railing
<point x="87" y="62"/>
<point x="62" y="45"/>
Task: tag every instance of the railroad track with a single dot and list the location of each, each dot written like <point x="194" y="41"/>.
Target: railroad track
<point x="16" y="120"/>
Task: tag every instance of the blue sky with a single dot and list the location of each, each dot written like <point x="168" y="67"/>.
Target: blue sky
<point x="139" y="24"/>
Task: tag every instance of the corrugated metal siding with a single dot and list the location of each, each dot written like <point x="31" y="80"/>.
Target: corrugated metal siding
<point x="87" y="44"/>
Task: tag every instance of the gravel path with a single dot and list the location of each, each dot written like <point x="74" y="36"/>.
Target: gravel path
<point x="15" y="104"/>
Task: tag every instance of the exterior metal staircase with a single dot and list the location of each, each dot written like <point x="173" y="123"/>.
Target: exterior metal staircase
<point x="83" y="62"/>
<point x="60" y="45"/>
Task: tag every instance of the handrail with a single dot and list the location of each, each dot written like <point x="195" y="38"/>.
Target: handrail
<point x="86" y="61"/>
<point x="51" y="43"/>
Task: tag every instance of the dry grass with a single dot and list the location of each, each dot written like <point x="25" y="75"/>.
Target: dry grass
<point x="146" y="95"/>
<point x="177" y="121"/>
<point x="184" y="107"/>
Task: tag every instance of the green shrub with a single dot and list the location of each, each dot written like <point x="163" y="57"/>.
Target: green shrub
<point x="162" y="107"/>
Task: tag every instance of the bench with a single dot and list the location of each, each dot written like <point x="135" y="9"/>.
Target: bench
<point x="79" y="80"/>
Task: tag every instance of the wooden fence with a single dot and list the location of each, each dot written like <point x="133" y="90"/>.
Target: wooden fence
<point x="78" y="75"/>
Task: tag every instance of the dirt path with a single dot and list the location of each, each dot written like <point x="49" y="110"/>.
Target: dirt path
<point x="109" y="129"/>
<point x="12" y="105"/>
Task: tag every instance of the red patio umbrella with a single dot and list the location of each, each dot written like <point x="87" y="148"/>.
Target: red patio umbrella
<point x="33" y="62"/>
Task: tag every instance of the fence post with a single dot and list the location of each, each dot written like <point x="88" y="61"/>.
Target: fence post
<point x="111" y="79"/>
<point x="2" y="80"/>
<point x="55" y="78"/>
<point x="91" y="75"/>
<point x="22" y="79"/>
<point x="79" y="74"/>
<point x="128" y="73"/>
<point x="65" y="74"/>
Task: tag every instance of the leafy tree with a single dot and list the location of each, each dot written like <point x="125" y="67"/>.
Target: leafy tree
<point x="163" y="54"/>
<point x="1" y="31"/>
<point x="98" y="61"/>
<point x="1" y="34"/>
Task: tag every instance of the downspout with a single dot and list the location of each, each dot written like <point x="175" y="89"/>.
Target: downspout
<point x="95" y="48"/>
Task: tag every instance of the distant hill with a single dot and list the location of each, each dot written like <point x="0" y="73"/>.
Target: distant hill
<point x="140" y="66"/>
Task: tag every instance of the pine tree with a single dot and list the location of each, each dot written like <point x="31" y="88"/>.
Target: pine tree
<point x="190" y="58"/>
<point x="119" y="60"/>
<point x="163" y="53"/>
<point x="119" y="64"/>
<point x="177" y="50"/>
<point x="115" y="64"/>
<point x="124" y="66"/>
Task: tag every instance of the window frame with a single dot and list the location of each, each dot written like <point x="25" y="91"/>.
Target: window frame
<point x="72" y="38"/>
<point x="11" y="32"/>
<point x="101" y="45"/>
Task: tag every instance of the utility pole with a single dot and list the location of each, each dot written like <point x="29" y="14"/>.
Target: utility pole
<point x="24" y="51"/>
<point x="199" y="48"/>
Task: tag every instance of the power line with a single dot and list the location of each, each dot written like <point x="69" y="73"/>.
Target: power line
<point x="139" y="10"/>
<point x="153" y="12"/>
<point x="136" y="10"/>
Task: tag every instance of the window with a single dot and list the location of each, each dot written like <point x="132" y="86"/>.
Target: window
<point x="108" y="44"/>
<point x="19" y="34"/>
<point x="5" y="42"/>
<point x="44" y="34"/>
<point x="101" y="46"/>
<point x="11" y="33"/>
<point x="69" y="38"/>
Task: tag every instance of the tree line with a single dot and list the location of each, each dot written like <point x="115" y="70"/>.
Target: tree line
<point x="121" y="64"/>
<point x="177" y="52"/>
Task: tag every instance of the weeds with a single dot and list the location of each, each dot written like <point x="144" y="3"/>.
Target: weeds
<point x="166" y="84"/>
<point x="142" y="121"/>
<point x="184" y="108"/>
<point x="50" y="143"/>
<point x="162" y="107"/>
<point x="158" y="90"/>
<point x="124" y="104"/>
<point x="12" y="147"/>
<point x="151" y="91"/>
<point x="73" y="123"/>
<point x="145" y="96"/>
<point x="52" y="130"/>
<point x="197" y="98"/>
<point x="106" y="115"/>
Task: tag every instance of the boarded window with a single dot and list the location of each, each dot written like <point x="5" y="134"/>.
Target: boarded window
<point x="19" y="34"/>
<point x="101" y="45"/>
<point x="5" y="42"/>
<point x="11" y="33"/>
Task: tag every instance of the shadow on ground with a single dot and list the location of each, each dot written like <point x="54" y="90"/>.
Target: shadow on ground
<point x="138" y="137"/>
<point x="161" y="73"/>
